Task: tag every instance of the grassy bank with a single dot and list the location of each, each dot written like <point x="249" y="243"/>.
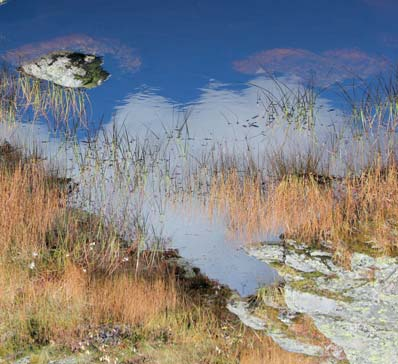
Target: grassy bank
<point x="71" y="286"/>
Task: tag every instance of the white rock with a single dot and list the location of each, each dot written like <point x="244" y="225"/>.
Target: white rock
<point x="240" y="309"/>
<point x="67" y="69"/>
<point x="366" y="327"/>
<point x="295" y="346"/>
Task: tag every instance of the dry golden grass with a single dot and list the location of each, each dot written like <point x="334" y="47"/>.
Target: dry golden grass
<point x="35" y="310"/>
<point x="199" y="337"/>
<point x="266" y="351"/>
<point x="48" y="292"/>
<point x="40" y="310"/>
<point x="129" y="300"/>
<point x="29" y="207"/>
<point x="350" y="212"/>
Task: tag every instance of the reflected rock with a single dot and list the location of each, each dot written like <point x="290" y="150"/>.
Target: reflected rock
<point x="68" y="69"/>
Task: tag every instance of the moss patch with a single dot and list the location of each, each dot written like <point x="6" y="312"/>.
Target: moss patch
<point x="95" y="74"/>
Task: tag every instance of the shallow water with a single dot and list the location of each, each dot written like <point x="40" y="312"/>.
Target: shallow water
<point x="200" y="71"/>
<point x="205" y="243"/>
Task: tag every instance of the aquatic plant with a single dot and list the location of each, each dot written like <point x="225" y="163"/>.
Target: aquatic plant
<point x="25" y="99"/>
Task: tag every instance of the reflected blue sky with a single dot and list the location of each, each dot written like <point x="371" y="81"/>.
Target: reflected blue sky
<point x="177" y="46"/>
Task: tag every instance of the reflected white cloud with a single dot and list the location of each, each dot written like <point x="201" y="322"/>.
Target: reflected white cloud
<point x="326" y="68"/>
<point x="229" y="116"/>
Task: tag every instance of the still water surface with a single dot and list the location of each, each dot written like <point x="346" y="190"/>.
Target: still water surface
<point x="206" y="66"/>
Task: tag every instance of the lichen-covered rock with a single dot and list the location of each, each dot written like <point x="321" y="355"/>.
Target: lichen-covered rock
<point x="296" y="346"/>
<point x="68" y="69"/>
<point x="240" y="309"/>
<point x="357" y="309"/>
<point x="274" y="253"/>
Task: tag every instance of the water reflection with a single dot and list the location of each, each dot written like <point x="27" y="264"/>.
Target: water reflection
<point x="238" y="117"/>
<point x="203" y="72"/>
<point x="205" y="242"/>
<point x="175" y="140"/>
<point x="127" y="57"/>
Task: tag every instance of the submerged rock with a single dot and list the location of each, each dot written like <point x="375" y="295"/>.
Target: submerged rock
<point x="68" y="69"/>
<point x="357" y="309"/>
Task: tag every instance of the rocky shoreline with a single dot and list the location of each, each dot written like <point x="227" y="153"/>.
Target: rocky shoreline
<point x="354" y="311"/>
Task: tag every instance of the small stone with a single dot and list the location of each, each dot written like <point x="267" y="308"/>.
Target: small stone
<point x="287" y="316"/>
<point x="360" y="261"/>
<point x="298" y="262"/>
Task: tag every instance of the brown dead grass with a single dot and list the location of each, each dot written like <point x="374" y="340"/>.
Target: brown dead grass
<point x="350" y="213"/>
<point x="28" y="208"/>
<point x="129" y="300"/>
<point x="50" y="289"/>
<point x="304" y="327"/>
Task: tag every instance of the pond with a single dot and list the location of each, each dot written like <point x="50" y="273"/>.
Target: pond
<point x="205" y="77"/>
